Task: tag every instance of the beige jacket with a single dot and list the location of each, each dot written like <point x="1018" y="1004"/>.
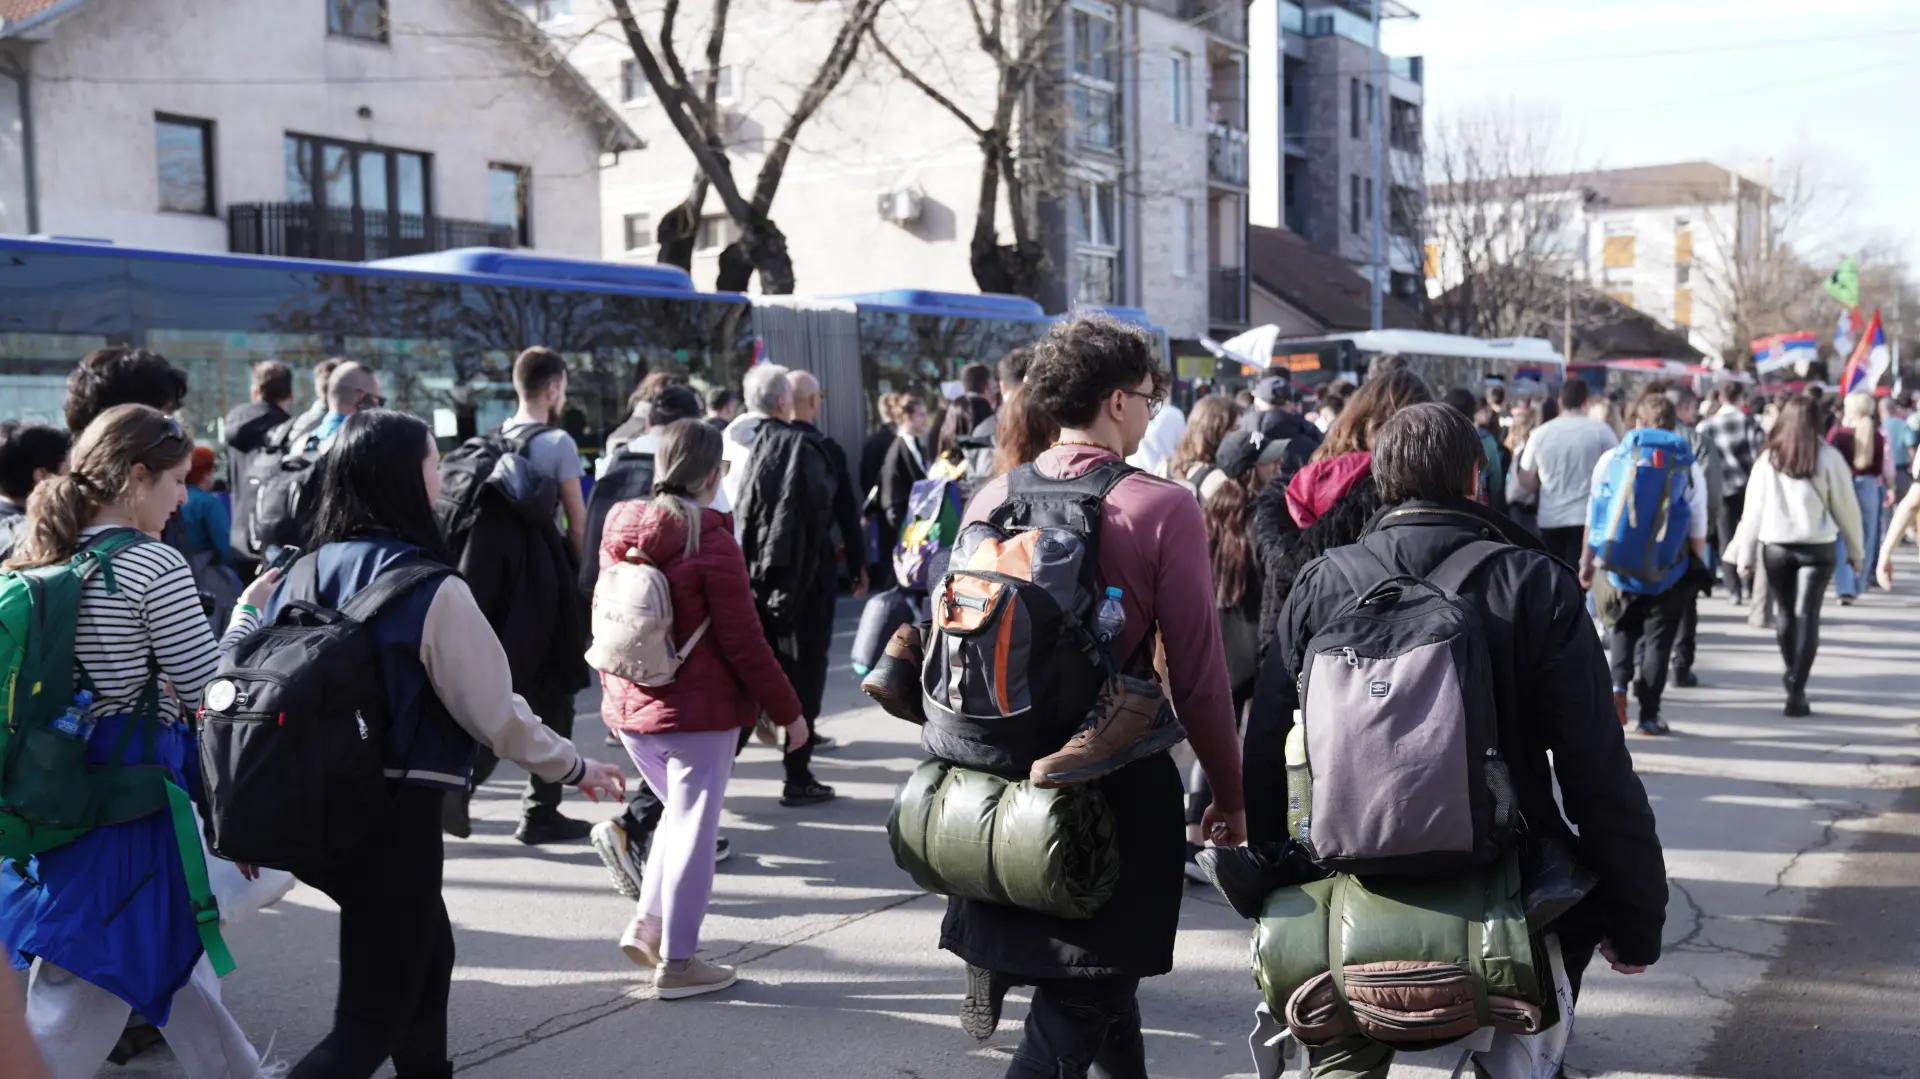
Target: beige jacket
<point x="1781" y="509"/>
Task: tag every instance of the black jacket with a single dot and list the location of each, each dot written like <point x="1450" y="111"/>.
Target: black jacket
<point x="1552" y="692"/>
<point x="523" y="574"/>
<point x="248" y="428"/>
<point x="786" y="520"/>
<point x="846" y="504"/>
<point x="630" y="476"/>
<point x="899" y="471"/>
<point x="873" y="452"/>
<point x="1285" y="548"/>
<point x="13" y="521"/>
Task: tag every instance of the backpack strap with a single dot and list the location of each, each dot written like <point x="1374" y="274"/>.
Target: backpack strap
<point x="680" y="654"/>
<point x="193" y="866"/>
<point x="523" y="437"/>
<point x="1454" y="571"/>
<point x="389" y="585"/>
<point x="1363" y="569"/>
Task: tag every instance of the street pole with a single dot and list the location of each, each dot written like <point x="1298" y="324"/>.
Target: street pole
<point x="1566" y="325"/>
<point x="1376" y="108"/>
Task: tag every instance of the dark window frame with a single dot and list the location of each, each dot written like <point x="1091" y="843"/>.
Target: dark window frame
<point x="316" y="145"/>
<point x="1353" y="108"/>
<point x="523" y="228"/>
<point x="382" y="35"/>
<point x="1353" y="205"/>
<point x="212" y="206"/>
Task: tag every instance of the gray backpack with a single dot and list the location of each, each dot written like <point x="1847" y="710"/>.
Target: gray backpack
<point x="1402" y="749"/>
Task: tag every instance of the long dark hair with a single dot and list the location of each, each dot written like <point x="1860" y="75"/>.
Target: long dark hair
<point x="1024" y="433"/>
<point x="1230" y="537"/>
<point x="370" y="484"/>
<point x="961" y="417"/>
<point x="1371" y="406"/>
<point x="1213" y="416"/>
<point x="1793" y="445"/>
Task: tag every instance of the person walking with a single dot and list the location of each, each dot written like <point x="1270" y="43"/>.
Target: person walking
<point x="682" y="736"/>
<point x="904" y="465"/>
<point x="1549" y="694"/>
<point x="522" y="575"/>
<point x="450" y="690"/>
<point x="301" y="426"/>
<point x="1522" y="505"/>
<point x="1686" y="407"/>
<point x="764" y="388"/>
<point x="1800" y="505"/>
<point x="1101" y="381"/>
<point x="1859" y="440"/>
<point x="1736" y="438"/>
<point x="723" y="405"/>
<point x="1640" y="644"/>
<point x="1011" y="372"/>
<point x="1214" y="418"/>
<point x="1904" y="517"/>
<point x="1901" y="443"/>
<point x="30" y="454"/>
<point x="1557" y="465"/>
<point x="808" y="398"/>
<point x="208" y="531"/>
<point x="249" y="430"/>
<point x="785" y="521"/>
<point x="106" y="920"/>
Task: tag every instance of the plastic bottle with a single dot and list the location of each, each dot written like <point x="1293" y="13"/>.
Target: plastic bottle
<point x="1111" y="620"/>
<point x="1299" y="782"/>
<point x="75" y="722"/>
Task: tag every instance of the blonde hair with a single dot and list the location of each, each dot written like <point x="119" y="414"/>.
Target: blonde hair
<point x="99" y="474"/>
<point x="1858" y="410"/>
<point x="688" y="453"/>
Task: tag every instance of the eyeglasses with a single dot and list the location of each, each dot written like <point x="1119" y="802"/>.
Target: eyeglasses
<point x="1154" y="402"/>
<point x="371" y="400"/>
<point x="174" y="431"/>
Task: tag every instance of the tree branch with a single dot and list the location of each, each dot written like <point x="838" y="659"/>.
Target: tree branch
<point x="846" y="45"/>
<point x="713" y="162"/>
<point x="924" y="87"/>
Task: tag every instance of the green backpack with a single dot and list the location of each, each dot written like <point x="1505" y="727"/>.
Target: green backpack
<point x="49" y="794"/>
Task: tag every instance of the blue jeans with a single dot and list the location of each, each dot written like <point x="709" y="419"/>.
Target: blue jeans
<point x="1869" y="490"/>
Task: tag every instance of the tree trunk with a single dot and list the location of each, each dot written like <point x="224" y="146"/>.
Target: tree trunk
<point x="679" y="228"/>
<point x="762" y="250"/>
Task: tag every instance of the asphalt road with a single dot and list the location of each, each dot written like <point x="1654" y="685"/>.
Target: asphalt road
<point x="1791" y="939"/>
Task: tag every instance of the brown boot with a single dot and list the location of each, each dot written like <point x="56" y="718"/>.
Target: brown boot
<point x="894" y="682"/>
<point x="1131" y="721"/>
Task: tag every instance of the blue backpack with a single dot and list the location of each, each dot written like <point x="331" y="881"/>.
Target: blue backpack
<point x="1639" y="515"/>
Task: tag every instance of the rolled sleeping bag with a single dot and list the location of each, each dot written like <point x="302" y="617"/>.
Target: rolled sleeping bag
<point x="884" y="613"/>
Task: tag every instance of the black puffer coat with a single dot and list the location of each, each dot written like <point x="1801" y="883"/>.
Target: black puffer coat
<point x="1285" y="548"/>
<point x="786" y="520"/>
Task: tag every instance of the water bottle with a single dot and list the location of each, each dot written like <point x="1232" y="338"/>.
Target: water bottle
<point x="74" y="722"/>
<point x="1111" y="619"/>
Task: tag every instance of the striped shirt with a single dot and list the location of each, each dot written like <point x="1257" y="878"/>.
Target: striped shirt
<point x="154" y="613"/>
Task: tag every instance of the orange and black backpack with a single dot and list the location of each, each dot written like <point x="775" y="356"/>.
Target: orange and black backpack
<point x="1012" y="664"/>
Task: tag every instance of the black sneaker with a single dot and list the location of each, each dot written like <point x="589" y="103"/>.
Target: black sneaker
<point x="986" y="993"/>
<point x="722" y="849"/>
<point x="1654" y="725"/>
<point x="1194" y="873"/>
<point x="822" y="743"/>
<point x="454" y="817"/>
<point x="1686" y="679"/>
<point x="812" y="792"/>
<point x="551" y="828"/>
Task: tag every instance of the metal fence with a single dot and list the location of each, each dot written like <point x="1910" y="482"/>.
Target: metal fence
<point x="303" y="230"/>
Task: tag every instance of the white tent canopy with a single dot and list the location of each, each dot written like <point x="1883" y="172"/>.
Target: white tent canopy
<point x="1533" y="350"/>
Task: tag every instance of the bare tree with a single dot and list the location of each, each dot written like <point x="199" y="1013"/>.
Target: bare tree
<point x="1016" y="147"/>
<point x="690" y="105"/>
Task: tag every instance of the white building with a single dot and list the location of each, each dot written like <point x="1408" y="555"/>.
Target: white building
<point x="332" y="128"/>
<point x="881" y="189"/>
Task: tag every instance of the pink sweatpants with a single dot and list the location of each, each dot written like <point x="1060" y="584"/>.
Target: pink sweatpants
<point x="689" y="772"/>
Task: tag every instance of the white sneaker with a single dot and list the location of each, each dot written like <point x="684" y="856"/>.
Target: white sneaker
<point x="610" y="842"/>
<point x="641" y="942"/>
<point x="699" y="976"/>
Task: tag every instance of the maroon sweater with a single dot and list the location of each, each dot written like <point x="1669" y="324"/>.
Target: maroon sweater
<point x="1153" y="547"/>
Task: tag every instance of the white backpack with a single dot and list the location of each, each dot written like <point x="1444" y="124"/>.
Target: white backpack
<point x="633" y="626"/>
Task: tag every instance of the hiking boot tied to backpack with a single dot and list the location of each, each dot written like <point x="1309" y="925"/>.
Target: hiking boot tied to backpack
<point x="1131" y="720"/>
<point x="894" y="682"/>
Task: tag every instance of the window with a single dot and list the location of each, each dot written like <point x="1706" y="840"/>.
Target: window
<point x="639" y="228"/>
<point x="1619" y="228"/>
<point x="1369" y="198"/>
<point x="1683" y="275"/>
<point x="723" y="90"/>
<point x="716" y="232"/>
<point x="634" y="89"/>
<point x="1353" y="108"/>
<point x="1179" y="89"/>
<point x="1096" y="229"/>
<point x="1683" y="308"/>
<point x="1183" y="238"/>
<point x="1353" y="204"/>
<point x="546" y="11"/>
<point x="1618" y="275"/>
<point x="1095" y="213"/>
<point x="1403" y="125"/>
<point x="349" y="176"/>
<point x="183" y="160"/>
<point x="1099" y="278"/>
<point x="364" y="19"/>
<point x="509" y="200"/>
<point x="1095" y="91"/>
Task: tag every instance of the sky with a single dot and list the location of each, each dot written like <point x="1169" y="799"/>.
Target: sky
<point x="1835" y="83"/>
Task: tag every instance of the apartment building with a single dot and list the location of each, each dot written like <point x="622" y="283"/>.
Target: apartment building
<point x="342" y="129"/>
<point x="1143" y="116"/>
<point x="1315" y="106"/>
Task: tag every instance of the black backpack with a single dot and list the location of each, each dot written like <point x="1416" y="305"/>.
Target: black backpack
<point x="1012" y="664"/>
<point x="1398" y="731"/>
<point x="489" y="465"/>
<point x="293" y="725"/>
<point x="629" y="477"/>
<point x="283" y="489"/>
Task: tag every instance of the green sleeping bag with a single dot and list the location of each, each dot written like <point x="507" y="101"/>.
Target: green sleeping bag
<point x="965" y="833"/>
<point x="1460" y="945"/>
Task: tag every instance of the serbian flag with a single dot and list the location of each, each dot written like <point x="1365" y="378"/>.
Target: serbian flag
<point x="1869" y="361"/>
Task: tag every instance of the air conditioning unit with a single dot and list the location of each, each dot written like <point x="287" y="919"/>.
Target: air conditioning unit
<point x="902" y="207"/>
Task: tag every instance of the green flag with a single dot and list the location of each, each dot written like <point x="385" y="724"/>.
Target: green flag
<point x="1844" y="285"/>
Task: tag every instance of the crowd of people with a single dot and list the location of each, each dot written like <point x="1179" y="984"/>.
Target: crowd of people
<point x="1216" y="535"/>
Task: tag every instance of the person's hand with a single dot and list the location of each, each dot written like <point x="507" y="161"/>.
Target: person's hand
<point x="602" y="778"/>
<point x="860" y="583"/>
<point x="1884" y="571"/>
<point x="1886" y="498"/>
<point x="1606" y="951"/>
<point x="257" y="594"/>
<point x="1858" y="565"/>
<point x="1224" y="829"/>
<point x="798" y="732"/>
<point x="1586" y="573"/>
<point x="248" y="870"/>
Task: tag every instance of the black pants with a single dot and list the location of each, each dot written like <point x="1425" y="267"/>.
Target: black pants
<point x="1078" y="1023"/>
<point x="642" y="816"/>
<point x="541" y="797"/>
<point x="396" y="952"/>
<point x="803" y="656"/>
<point x="1797" y="578"/>
<point x="1731" y="508"/>
<point x="1564" y="543"/>
<point x="1641" y="641"/>
<point x="1685" y="642"/>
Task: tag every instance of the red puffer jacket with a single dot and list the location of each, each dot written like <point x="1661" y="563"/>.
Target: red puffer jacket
<point x="731" y="675"/>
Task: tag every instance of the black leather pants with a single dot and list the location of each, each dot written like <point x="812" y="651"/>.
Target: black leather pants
<point x="1797" y="578"/>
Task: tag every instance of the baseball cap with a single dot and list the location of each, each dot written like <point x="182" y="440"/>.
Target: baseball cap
<point x="673" y="402"/>
<point x="1242" y="451"/>
<point x="1272" y="390"/>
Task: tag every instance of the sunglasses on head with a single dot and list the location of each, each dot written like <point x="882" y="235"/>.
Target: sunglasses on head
<point x="173" y="431"/>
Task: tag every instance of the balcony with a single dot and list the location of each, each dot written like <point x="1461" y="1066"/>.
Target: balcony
<point x="1227" y="297"/>
<point x="1410" y="68"/>
<point x="303" y="230"/>
<point x="1226" y="155"/>
<point x="1226" y="19"/>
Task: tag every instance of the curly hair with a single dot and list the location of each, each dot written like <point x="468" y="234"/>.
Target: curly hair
<point x="121" y="375"/>
<point x="1085" y="360"/>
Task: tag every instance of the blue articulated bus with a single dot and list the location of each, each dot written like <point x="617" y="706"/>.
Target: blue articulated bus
<point x="443" y="329"/>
